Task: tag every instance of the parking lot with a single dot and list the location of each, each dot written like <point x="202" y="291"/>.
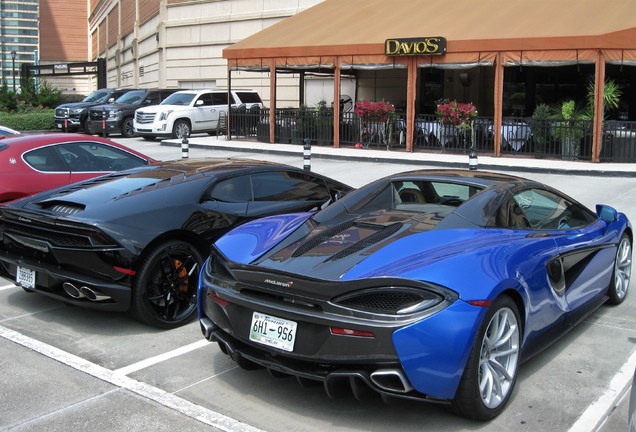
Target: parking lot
<point x="66" y="368"/>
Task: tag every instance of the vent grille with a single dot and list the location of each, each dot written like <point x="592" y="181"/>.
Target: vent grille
<point x="55" y="238"/>
<point x="384" y="302"/>
<point x="144" y="118"/>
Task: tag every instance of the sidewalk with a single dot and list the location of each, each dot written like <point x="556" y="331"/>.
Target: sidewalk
<point x="446" y="160"/>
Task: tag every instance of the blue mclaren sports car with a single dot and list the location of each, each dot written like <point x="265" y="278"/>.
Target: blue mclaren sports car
<point x="432" y="285"/>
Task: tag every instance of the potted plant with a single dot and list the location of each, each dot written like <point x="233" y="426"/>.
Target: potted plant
<point x="461" y="116"/>
<point x="541" y="130"/>
<point x="376" y="121"/>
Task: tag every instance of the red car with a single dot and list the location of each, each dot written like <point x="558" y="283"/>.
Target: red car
<point x="34" y="163"/>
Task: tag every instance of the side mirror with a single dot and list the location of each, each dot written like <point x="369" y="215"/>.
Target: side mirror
<point x="198" y="103"/>
<point x="606" y="213"/>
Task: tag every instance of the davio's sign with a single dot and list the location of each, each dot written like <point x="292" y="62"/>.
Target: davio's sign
<point x="415" y="46"/>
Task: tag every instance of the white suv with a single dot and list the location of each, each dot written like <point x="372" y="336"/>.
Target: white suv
<point x="188" y="111"/>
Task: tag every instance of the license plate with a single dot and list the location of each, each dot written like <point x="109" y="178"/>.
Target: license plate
<point x="272" y="331"/>
<point x="25" y="278"/>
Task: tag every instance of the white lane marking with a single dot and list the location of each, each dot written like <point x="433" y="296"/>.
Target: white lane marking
<point x="169" y="400"/>
<point x="598" y="411"/>
<point x="5" y="287"/>
<point x="162" y="357"/>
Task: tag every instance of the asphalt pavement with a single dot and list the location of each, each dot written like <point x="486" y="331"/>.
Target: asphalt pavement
<point x="51" y="382"/>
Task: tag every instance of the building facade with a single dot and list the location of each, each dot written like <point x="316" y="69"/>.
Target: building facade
<point x="19" y="38"/>
<point x="179" y="44"/>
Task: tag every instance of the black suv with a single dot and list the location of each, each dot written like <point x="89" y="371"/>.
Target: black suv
<point x="117" y="117"/>
<point x="72" y="116"/>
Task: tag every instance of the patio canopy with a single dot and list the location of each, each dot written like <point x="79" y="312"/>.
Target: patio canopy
<point x="351" y="34"/>
<point x="531" y="31"/>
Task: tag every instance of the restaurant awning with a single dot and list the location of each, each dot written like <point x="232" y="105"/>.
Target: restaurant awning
<point x="537" y="32"/>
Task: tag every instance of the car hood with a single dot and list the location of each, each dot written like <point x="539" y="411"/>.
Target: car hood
<point x="386" y="243"/>
<point x="115" y="106"/>
<point x="77" y="105"/>
<point x="160" y="108"/>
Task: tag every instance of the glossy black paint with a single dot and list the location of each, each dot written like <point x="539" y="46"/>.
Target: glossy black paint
<point x="96" y="232"/>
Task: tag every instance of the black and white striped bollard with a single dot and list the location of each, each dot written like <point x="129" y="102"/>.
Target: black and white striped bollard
<point x="307" y="154"/>
<point x="185" y="148"/>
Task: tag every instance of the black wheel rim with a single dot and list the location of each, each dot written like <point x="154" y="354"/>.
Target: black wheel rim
<point x="129" y="129"/>
<point x="171" y="289"/>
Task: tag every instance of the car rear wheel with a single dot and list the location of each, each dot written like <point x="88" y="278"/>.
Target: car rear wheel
<point x="127" y="128"/>
<point x="622" y="271"/>
<point x="165" y="288"/>
<point x="181" y="129"/>
<point x="491" y="370"/>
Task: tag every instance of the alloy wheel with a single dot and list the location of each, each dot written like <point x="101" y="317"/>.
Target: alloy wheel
<point x="498" y="358"/>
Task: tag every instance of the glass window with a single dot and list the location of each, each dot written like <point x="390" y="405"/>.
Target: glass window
<point x="236" y="189"/>
<point x="288" y="186"/>
<point x="90" y="156"/>
<point x="549" y="211"/>
<point x="219" y="98"/>
<point x="45" y="159"/>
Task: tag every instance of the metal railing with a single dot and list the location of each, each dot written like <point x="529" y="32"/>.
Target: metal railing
<point x="520" y="136"/>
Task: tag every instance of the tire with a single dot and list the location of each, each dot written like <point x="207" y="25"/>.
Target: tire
<point x="501" y="322"/>
<point x="127" y="128"/>
<point x="181" y="129"/>
<point x="622" y="273"/>
<point x="165" y="287"/>
<point x="149" y="137"/>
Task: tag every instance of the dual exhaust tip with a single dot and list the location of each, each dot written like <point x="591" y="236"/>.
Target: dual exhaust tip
<point x="84" y="292"/>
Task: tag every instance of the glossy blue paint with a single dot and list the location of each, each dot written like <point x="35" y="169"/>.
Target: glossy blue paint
<point x="434" y="351"/>
<point x="249" y="241"/>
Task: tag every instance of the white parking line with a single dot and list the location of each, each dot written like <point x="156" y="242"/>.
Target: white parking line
<point x="597" y="412"/>
<point x="168" y="400"/>
<point x="162" y="357"/>
<point x="4" y="287"/>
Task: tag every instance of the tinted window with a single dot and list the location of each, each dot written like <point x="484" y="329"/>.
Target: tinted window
<point x="97" y="96"/>
<point x="547" y="210"/>
<point x="288" y="186"/>
<point x="236" y="189"/>
<point x="45" y="159"/>
<point x="206" y="98"/>
<point x="132" y="97"/>
<point x="219" y="98"/>
<point x="249" y="98"/>
<point x="89" y="156"/>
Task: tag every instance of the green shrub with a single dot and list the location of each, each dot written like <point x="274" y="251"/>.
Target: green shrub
<point x="35" y="120"/>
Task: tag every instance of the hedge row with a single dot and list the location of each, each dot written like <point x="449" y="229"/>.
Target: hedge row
<point x="36" y="120"/>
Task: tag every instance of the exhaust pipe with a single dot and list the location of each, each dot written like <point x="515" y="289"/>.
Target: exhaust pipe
<point x="92" y="294"/>
<point x="72" y="290"/>
<point x="393" y="380"/>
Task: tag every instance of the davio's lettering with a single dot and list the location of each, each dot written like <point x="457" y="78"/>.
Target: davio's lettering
<point x="415" y="46"/>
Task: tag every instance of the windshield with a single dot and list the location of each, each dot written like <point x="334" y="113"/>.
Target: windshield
<point x="132" y="97"/>
<point x="97" y="96"/>
<point x="179" y="99"/>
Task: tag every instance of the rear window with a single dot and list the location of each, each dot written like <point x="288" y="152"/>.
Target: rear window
<point x="249" y="97"/>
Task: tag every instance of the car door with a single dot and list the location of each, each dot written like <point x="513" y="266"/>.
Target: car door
<point x="284" y="191"/>
<point x="226" y="204"/>
<point x="583" y="266"/>
<point x="204" y="114"/>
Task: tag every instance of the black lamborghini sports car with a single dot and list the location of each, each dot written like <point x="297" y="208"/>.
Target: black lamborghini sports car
<point x="135" y="240"/>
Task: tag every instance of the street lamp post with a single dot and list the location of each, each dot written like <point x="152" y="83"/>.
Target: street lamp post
<point x="13" y="53"/>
